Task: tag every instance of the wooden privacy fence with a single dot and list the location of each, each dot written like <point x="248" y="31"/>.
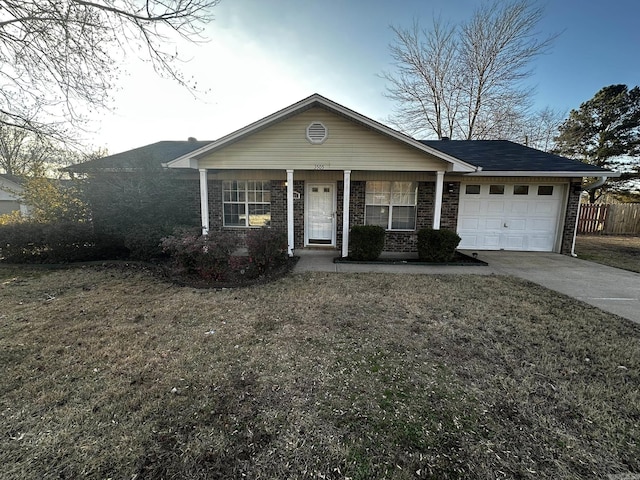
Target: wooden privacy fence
<point x="621" y="219"/>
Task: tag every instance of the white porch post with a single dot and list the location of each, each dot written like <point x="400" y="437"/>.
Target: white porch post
<point x="204" y="201"/>
<point x="345" y="213"/>
<point x="437" y="210"/>
<point x="290" y="236"/>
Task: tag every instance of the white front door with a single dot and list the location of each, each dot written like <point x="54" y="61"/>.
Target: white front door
<point x="320" y="218"/>
<point x="504" y="216"/>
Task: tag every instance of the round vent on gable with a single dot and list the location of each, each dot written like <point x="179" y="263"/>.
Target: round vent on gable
<point x="316" y="133"/>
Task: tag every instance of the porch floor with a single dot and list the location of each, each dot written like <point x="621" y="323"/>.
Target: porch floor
<point x="321" y="260"/>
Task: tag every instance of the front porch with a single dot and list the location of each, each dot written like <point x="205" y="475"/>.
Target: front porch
<point x="317" y="208"/>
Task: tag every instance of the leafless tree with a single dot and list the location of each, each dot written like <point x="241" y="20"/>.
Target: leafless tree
<point x="467" y="81"/>
<point x="425" y="83"/>
<point x="59" y="58"/>
<point x="26" y="153"/>
<point x="23" y="152"/>
<point x="540" y="128"/>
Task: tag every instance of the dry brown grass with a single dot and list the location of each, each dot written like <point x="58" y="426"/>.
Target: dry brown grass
<point x="110" y="373"/>
<point x="621" y="251"/>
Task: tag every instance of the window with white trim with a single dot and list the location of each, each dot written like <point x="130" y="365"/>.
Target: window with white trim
<point x="391" y="205"/>
<point x="246" y="203"/>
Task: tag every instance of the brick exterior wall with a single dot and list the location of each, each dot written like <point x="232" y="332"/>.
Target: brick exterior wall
<point x="278" y="204"/>
<point x="191" y="211"/>
<point x="278" y="210"/>
<point x="450" y="203"/>
<point x="394" y="241"/>
<point x="402" y="241"/>
<point x="408" y="241"/>
<point x="570" y="218"/>
<point x="298" y="215"/>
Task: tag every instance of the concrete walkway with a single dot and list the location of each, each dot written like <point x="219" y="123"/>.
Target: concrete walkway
<point x="610" y="289"/>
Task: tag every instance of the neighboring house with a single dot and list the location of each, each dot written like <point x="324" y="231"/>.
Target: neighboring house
<point x="317" y="168"/>
<point x="149" y="156"/>
<point x="10" y="190"/>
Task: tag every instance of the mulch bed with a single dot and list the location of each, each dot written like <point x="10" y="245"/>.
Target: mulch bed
<point x="233" y="280"/>
<point x="459" y="259"/>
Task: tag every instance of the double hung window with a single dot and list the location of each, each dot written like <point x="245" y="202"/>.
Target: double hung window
<point x="391" y="205"/>
<point x="246" y="203"/>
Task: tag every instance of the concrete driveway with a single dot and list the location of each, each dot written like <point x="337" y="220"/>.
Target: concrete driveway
<point x="610" y="289"/>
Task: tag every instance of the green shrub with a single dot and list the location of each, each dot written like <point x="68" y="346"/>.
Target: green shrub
<point x="59" y="242"/>
<point x="437" y="246"/>
<point x="143" y="242"/>
<point x="204" y="255"/>
<point x="267" y="248"/>
<point x="366" y="242"/>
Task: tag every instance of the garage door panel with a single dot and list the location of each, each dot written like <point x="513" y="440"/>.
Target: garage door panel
<point x="519" y="207"/>
<point x="492" y="242"/>
<point x="545" y="208"/>
<point x="470" y="208"/>
<point x="516" y="242"/>
<point x="495" y="206"/>
<point x="509" y="221"/>
<point x="542" y="224"/>
<point x="540" y="243"/>
<point x="466" y="223"/>
<point x="517" y="225"/>
<point x="491" y="223"/>
<point x="468" y="241"/>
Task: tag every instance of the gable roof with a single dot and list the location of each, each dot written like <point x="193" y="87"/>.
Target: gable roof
<point x="16" y="179"/>
<point x="156" y="153"/>
<point x="505" y="158"/>
<point x="190" y="159"/>
<point x="470" y="157"/>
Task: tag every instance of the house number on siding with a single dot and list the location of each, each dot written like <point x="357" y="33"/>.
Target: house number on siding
<point x="319" y="166"/>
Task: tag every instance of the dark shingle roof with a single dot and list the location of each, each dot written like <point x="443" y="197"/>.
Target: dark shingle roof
<point x="506" y="156"/>
<point x="155" y="154"/>
<point x="13" y="178"/>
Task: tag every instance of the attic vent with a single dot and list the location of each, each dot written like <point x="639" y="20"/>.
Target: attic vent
<point x="316" y="133"/>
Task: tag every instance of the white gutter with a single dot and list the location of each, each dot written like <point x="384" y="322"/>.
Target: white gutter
<point x="536" y="173"/>
<point x="596" y="184"/>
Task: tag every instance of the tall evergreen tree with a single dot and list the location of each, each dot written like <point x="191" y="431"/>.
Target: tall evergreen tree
<point x="605" y="131"/>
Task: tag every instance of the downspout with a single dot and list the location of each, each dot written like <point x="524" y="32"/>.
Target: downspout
<point x="596" y="184"/>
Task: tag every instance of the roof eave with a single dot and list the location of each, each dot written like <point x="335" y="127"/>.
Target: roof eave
<point x="182" y="162"/>
<point x="537" y="173"/>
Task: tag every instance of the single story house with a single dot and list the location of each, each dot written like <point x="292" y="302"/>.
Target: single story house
<point x="10" y="190"/>
<point x="317" y="168"/>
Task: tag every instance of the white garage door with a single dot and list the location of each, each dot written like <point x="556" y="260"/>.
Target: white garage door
<point x="503" y="216"/>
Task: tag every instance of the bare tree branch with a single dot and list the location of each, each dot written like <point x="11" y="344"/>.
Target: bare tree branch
<point x="466" y="81"/>
<point x="60" y="57"/>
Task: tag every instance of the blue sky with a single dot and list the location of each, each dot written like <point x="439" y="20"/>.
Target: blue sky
<point x="263" y="55"/>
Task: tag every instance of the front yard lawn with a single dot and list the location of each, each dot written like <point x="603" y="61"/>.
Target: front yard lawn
<point x="622" y="251"/>
<point x="111" y="373"/>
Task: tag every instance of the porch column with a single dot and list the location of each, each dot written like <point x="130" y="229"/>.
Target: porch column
<point x="204" y="201"/>
<point x="290" y="236"/>
<point x="345" y="213"/>
<point x="437" y="209"/>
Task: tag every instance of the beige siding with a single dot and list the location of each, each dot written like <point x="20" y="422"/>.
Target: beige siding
<point x="321" y="175"/>
<point x="8" y="206"/>
<point x="248" y="175"/>
<point x="349" y="146"/>
<point x="394" y="176"/>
